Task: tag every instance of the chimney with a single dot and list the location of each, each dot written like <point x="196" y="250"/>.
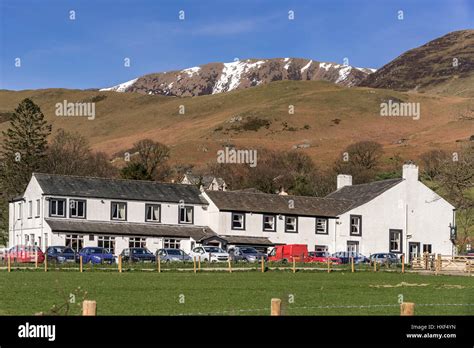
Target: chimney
<point x="410" y="172"/>
<point x="282" y="192"/>
<point x="344" y="180"/>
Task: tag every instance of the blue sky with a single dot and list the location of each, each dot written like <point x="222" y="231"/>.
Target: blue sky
<point x="89" y="52"/>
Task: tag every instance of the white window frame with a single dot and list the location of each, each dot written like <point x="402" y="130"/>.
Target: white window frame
<point x="398" y="241"/>
<point x="118" y="217"/>
<point x="287" y="224"/>
<point x="273" y="223"/>
<point x="172" y="243"/>
<point x="38" y="208"/>
<point x="30" y="209"/>
<point x="73" y="241"/>
<point x="355" y="228"/>
<point x="106" y="242"/>
<point x="56" y="201"/>
<point x="74" y="204"/>
<point x="137" y="242"/>
<point x="322" y="229"/>
<point x="237" y="221"/>
<point x="153" y="212"/>
<point x="185" y="209"/>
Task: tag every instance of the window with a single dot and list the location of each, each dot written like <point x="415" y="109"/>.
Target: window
<point x="152" y="212"/>
<point x="107" y="243"/>
<point x="74" y="241"/>
<point x="77" y="209"/>
<point x="46" y="242"/>
<point x="269" y="223"/>
<point x="171" y="243"/>
<point x="38" y="208"/>
<point x="427" y="248"/>
<point x="238" y="221"/>
<point x="352" y="247"/>
<point x="30" y="209"/>
<point x="186" y="215"/>
<point x="356" y="225"/>
<point x="19" y="211"/>
<point x="321" y="226"/>
<point x="137" y="242"/>
<point x="119" y="211"/>
<point x="321" y="248"/>
<point x="291" y="224"/>
<point x="395" y="241"/>
<point x="91" y="237"/>
<point x="57" y="207"/>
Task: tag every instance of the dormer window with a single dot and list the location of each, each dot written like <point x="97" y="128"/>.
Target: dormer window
<point x="57" y="207"/>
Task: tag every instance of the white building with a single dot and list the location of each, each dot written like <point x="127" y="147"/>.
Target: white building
<point x="396" y="215"/>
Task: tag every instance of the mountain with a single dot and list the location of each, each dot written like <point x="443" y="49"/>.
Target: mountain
<point x="444" y="65"/>
<point x="215" y="78"/>
<point x="327" y="118"/>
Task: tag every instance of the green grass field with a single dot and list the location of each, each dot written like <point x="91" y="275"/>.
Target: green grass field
<point x="244" y="293"/>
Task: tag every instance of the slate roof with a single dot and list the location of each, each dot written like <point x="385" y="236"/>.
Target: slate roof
<point x="246" y="240"/>
<point x="90" y="187"/>
<point x="205" y="180"/>
<point x="129" y="229"/>
<point x="278" y="204"/>
<point x="363" y="193"/>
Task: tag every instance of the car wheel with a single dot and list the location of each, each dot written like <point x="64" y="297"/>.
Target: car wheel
<point x="284" y="261"/>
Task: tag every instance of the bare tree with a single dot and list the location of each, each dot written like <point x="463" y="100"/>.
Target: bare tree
<point x="431" y="163"/>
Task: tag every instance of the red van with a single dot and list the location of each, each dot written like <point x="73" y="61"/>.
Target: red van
<point x="286" y="253"/>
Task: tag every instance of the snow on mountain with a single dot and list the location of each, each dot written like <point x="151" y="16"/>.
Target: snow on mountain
<point x="216" y="78"/>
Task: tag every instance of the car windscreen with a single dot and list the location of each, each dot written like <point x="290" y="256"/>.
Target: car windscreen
<point x="56" y="249"/>
<point x="97" y="251"/>
<point x="140" y="251"/>
<point x="174" y="252"/>
<point x="248" y="250"/>
<point x="213" y="249"/>
<point x="68" y="251"/>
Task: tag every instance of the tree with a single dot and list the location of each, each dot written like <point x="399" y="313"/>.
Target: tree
<point x="361" y="160"/>
<point x="432" y="162"/>
<point x="456" y="178"/>
<point x="23" y="152"/>
<point x="24" y="147"/>
<point x="69" y="154"/>
<point x="135" y="171"/>
<point x="152" y="157"/>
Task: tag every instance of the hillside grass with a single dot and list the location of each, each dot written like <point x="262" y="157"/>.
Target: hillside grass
<point x="137" y="293"/>
<point x="124" y="118"/>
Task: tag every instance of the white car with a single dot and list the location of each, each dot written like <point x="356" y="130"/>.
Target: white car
<point x="212" y="253"/>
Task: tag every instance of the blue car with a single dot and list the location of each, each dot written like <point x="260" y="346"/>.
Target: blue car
<point x="61" y="254"/>
<point x="96" y="255"/>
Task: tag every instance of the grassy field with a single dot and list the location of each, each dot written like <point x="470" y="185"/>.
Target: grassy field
<point x="245" y="293"/>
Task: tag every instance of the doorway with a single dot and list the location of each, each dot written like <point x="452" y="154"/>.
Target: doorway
<point x="413" y="250"/>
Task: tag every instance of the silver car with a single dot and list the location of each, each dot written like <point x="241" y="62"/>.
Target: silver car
<point x="246" y="254"/>
<point x="173" y="255"/>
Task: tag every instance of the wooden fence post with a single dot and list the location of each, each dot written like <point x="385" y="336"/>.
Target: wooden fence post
<point x="46" y="263"/>
<point x="375" y="266"/>
<point x="120" y="263"/>
<point x="9" y="263"/>
<point x="352" y="264"/>
<point x="194" y="263"/>
<point x="407" y="309"/>
<point x="403" y="263"/>
<point x="80" y="263"/>
<point x="158" y="263"/>
<point x="438" y="264"/>
<point x="230" y="265"/>
<point x="89" y="308"/>
<point x="294" y="265"/>
<point x="263" y="265"/>
<point x="329" y="265"/>
<point x="276" y="307"/>
<point x="199" y="264"/>
<point x="36" y="258"/>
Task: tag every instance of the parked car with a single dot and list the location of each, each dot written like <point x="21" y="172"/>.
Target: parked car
<point x="345" y="257"/>
<point x="388" y="258"/>
<point x="322" y="256"/>
<point x="24" y="254"/>
<point x="173" y="255"/>
<point x="3" y="253"/>
<point x="137" y="255"/>
<point x="96" y="255"/>
<point x="61" y="254"/>
<point x="210" y="253"/>
<point x="246" y="254"/>
<point x="286" y="253"/>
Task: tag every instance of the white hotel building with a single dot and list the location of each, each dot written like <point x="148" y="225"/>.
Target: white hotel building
<point x="402" y="216"/>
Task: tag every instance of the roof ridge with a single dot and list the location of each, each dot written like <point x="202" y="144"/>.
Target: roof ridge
<point x="111" y="179"/>
<point x="276" y="195"/>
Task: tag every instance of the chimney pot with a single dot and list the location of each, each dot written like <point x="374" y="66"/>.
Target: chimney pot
<point x="344" y="180"/>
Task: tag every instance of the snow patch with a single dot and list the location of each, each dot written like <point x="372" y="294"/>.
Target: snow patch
<point x="231" y="74"/>
<point x="191" y="71"/>
<point x="121" y="87"/>
<point x="303" y="69"/>
<point x="367" y="70"/>
<point x="344" y="73"/>
<point x="287" y="65"/>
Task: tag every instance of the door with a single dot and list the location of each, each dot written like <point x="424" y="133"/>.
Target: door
<point x="413" y="250"/>
<point x="352" y="247"/>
